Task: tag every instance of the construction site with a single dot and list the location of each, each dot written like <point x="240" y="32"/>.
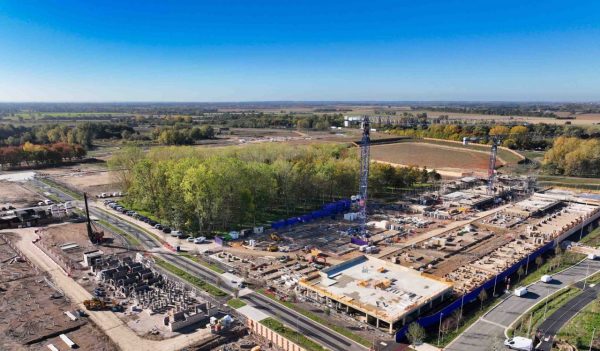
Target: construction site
<point x="35" y="313"/>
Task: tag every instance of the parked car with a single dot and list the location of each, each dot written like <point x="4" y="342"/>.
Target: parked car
<point x="158" y="226"/>
<point x="152" y="222"/>
<point x="166" y="230"/>
<point x="199" y="240"/>
<point x="190" y="239"/>
<point x="546" y="278"/>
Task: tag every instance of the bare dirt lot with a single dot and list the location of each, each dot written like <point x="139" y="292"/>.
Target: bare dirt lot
<point x="93" y="178"/>
<point x="17" y="195"/>
<point x="432" y="156"/>
<point x="32" y="309"/>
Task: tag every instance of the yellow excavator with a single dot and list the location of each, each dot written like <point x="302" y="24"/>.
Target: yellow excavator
<point x="275" y="237"/>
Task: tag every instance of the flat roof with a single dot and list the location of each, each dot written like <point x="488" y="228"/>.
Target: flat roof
<point x="374" y="285"/>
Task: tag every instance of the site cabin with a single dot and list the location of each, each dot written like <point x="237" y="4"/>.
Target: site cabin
<point x="521" y="291"/>
<point x="519" y="343"/>
<point x="546" y="278"/>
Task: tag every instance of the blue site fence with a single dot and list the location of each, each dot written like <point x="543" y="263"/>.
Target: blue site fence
<point x="434" y="319"/>
<point x="327" y="210"/>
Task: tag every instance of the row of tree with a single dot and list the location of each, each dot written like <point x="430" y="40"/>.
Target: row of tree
<point x="213" y="190"/>
<point x="531" y="136"/>
<point x="573" y="157"/>
<point x="81" y="134"/>
<point x="182" y="135"/>
<point x="34" y="154"/>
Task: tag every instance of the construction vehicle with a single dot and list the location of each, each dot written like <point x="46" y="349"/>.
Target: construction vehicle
<point x="95" y="235"/>
<point x="94" y="304"/>
<point x="275" y="237"/>
<point x="272" y="248"/>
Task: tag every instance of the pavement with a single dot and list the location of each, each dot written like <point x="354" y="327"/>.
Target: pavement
<point x="563" y="315"/>
<point x="482" y="334"/>
<point x="291" y="318"/>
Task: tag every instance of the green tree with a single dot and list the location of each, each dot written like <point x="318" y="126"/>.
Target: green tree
<point x="415" y="334"/>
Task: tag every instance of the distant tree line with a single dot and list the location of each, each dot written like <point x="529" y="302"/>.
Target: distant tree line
<point x="277" y="120"/>
<point x="33" y="154"/>
<point x="573" y="157"/>
<point x="531" y="136"/>
<point x="81" y="134"/>
<point x="182" y="135"/>
<point x="221" y="189"/>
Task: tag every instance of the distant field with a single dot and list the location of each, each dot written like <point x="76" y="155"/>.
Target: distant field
<point x="432" y="156"/>
<point x="74" y="115"/>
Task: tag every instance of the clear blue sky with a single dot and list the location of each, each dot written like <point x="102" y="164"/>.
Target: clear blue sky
<point x="251" y="50"/>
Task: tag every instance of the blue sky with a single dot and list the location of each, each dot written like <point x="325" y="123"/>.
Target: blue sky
<point x="299" y="50"/>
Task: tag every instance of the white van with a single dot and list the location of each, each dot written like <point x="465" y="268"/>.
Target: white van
<point x="199" y="240"/>
<point x="519" y="343"/>
<point x="521" y="291"/>
<point x="546" y="278"/>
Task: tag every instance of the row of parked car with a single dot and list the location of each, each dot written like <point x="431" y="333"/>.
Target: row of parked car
<point x="165" y="229"/>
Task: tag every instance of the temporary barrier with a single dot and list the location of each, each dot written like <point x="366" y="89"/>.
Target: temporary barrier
<point x="219" y="240"/>
<point x="434" y="319"/>
<point x="327" y="210"/>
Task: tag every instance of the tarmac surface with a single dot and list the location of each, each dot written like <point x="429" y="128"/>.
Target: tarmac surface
<point x="483" y="334"/>
<point x="550" y="327"/>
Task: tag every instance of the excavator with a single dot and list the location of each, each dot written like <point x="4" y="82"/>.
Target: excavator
<point x="275" y="237"/>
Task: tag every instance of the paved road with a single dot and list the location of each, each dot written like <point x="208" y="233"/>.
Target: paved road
<point x="315" y="331"/>
<point x="483" y="333"/>
<point x="560" y="317"/>
<point x="294" y="320"/>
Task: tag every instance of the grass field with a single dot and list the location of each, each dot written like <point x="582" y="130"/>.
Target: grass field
<point x="430" y="155"/>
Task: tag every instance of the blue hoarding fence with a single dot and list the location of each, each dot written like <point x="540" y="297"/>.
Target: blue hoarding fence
<point x="433" y="319"/>
<point x="327" y="210"/>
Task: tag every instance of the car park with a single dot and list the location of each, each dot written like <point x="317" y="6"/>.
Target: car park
<point x="166" y="230"/>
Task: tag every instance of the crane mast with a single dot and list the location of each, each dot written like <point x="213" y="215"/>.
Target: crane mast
<point x="492" y="164"/>
<point x="364" y="174"/>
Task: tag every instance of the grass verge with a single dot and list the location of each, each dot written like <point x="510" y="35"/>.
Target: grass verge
<point x="130" y="239"/>
<point x="291" y="335"/>
<point x="471" y="313"/>
<point x="579" y="330"/>
<point x="536" y="315"/>
<point x="236" y="303"/>
<point x="62" y="188"/>
<point x="339" y="329"/>
<point x="565" y="260"/>
<point x="202" y="262"/>
<point x="211" y="289"/>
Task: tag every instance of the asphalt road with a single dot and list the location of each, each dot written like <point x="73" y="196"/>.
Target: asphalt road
<point x="560" y="317"/>
<point x="486" y="331"/>
<point x="315" y="331"/>
<point x="294" y="320"/>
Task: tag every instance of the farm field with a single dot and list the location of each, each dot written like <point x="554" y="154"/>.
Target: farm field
<point x="441" y="158"/>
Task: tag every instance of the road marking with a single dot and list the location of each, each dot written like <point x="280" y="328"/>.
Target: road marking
<point x="493" y="323"/>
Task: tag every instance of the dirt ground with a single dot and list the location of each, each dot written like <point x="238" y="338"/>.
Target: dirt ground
<point x="431" y="156"/>
<point x="18" y="195"/>
<point x="32" y="309"/>
<point x="53" y="237"/>
<point x="93" y="178"/>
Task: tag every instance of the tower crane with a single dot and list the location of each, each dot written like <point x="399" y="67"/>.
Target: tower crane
<point x="364" y="174"/>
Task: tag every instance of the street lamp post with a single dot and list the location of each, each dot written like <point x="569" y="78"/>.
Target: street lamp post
<point x="440" y="328"/>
